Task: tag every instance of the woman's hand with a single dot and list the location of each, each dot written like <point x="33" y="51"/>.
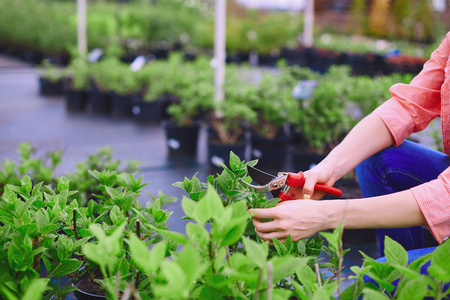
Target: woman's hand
<point x="300" y="219"/>
<point x="318" y="174"/>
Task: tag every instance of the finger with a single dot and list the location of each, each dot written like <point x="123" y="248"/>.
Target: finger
<point x="308" y="187"/>
<point x="266" y="226"/>
<point x="262" y="213"/>
<point x="268" y="236"/>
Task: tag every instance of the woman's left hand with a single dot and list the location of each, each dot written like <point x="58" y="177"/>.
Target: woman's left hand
<point x="300" y="219"/>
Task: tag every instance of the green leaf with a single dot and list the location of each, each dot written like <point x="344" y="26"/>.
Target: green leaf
<point x="42" y="218"/>
<point x="333" y="238"/>
<point x="191" y="263"/>
<point x="26" y="184"/>
<point x="370" y="294"/>
<point x="395" y="254"/>
<point x="307" y="277"/>
<point x="145" y="260"/>
<point x="234" y="234"/>
<point x="174" y="236"/>
<point x="113" y="193"/>
<point x="314" y="245"/>
<point x="188" y="207"/>
<point x="286" y="266"/>
<point x="301" y="247"/>
<point x="440" y="265"/>
<point x="63" y="184"/>
<point x="116" y="215"/>
<point x="197" y="234"/>
<point x="174" y="275"/>
<point x="414" y="289"/>
<point x="321" y="294"/>
<point x="255" y="252"/>
<point x="66" y="267"/>
<point x="36" y="289"/>
<point x="235" y="161"/>
<point x="353" y="291"/>
<point x="49" y="228"/>
<point x="281" y="249"/>
<point x="209" y="206"/>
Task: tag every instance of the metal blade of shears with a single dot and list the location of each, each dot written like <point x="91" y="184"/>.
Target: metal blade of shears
<point x="262" y="178"/>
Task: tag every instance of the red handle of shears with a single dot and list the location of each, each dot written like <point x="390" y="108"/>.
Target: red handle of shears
<point x="298" y="179"/>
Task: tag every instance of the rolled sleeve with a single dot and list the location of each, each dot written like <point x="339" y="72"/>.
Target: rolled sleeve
<point x="434" y="201"/>
<point x="397" y="120"/>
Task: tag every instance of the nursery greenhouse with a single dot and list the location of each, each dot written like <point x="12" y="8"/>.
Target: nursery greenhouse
<point x="174" y="149"/>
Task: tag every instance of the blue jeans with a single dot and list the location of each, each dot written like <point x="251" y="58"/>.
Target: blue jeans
<point x="396" y="169"/>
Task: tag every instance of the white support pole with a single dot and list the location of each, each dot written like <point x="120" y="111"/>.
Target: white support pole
<point x="81" y="27"/>
<point x="309" y="24"/>
<point x="219" y="49"/>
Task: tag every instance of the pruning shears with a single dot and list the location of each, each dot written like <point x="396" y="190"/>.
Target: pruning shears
<point x="281" y="184"/>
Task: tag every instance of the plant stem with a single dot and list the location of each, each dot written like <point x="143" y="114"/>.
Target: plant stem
<point x="258" y="285"/>
<point x="269" y="280"/>
<point x="138" y="233"/>
<point x="341" y="256"/>
<point x="319" y="279"/>
<point x="36" y="257"/>
<point x="138" y="229"/>
<point x="229" y="264"/>
<point x="439" y="295"/>
<point x="211" y="257"/>
<point x="75" y="223"/>
<point x="357" y="283"/>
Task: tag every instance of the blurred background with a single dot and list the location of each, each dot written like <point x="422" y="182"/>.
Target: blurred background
<point x="298" y="76"/>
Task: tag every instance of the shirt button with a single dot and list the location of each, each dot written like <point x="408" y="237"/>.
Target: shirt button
<point x="446" y="69"/>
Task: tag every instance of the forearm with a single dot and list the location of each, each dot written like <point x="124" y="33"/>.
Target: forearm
<point x="388" y="211"/>
<point x="368" y="137"/>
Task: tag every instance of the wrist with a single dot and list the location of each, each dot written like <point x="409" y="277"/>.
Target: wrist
<point x="334" y="210"/>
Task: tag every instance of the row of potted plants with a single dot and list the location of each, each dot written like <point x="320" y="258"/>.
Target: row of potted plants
<point x="53" y="246"/>
<point x="261" y="107"/>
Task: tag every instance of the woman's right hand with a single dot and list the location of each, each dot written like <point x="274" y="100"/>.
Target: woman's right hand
<point x="321" y="173"/>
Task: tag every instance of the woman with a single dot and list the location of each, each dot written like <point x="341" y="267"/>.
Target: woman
<point x="405" y="185"/>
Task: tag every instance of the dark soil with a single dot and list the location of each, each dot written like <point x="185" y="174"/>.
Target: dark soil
<point x="87" y="285"/>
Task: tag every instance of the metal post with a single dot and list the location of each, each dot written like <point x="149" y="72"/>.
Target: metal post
<point x="219" y="49"/>
<point x="81" y="27"/>
<point x="309" y="24"/>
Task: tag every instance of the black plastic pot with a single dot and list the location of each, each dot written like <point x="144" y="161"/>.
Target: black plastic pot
<point x="100" y="102"/>
<point x="364" y="64"/>
<point x="81" y="294"/>
<point x="322" y="60"/>
<point x="181" y="141"/>
<point x="149" y="112"/>
<point x="48" y="88"/>
<point x="220" y="153"/>
<point x="298" y="56"/>
<point x="121" y="105"/>
<point x="76" y="100"/>
<point x="271" y="153"/>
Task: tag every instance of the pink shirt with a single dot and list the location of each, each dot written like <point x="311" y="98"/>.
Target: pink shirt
<point x="411" y="109"/>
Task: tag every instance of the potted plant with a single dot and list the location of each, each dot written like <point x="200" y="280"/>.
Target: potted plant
<point x="99" y="93"/>
<point x="150" y="107"/>
<point x="124" y="87"/>
<point x="274" y="105"/>
<point x="49" y="78"/>
<point x="194" y="94"/>
<point x="76" y="84"/>
<point x="229" y="118"/>
<point x="323" y="120"/>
